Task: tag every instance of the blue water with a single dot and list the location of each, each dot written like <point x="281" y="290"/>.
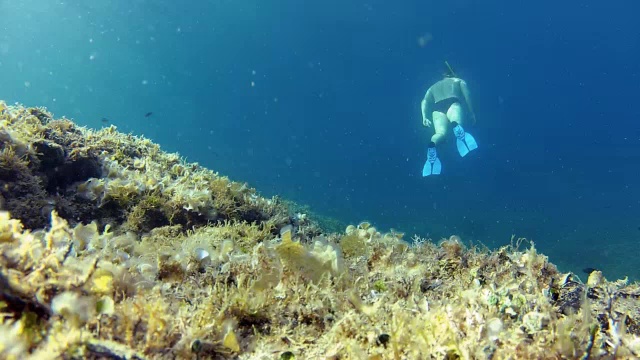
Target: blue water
<point x="319" y="102"/>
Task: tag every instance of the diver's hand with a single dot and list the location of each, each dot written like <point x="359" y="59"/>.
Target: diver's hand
<point x="426" y="122"/>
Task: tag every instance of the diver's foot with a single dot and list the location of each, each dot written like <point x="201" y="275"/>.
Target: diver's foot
<point x="464" y="141"/>
<point x="432" y="166"/>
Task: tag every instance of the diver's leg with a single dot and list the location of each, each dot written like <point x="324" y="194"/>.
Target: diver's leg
<point x="433" y="166"/>
<point x="440" y="126"/>
<point x="455" y="113"/>
<point x="464" y="141"/>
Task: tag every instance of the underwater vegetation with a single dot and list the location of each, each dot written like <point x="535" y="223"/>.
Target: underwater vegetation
<point x="111" y="248"/>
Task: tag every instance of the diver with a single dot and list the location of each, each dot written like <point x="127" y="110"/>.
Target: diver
<point x="447" y="104"/>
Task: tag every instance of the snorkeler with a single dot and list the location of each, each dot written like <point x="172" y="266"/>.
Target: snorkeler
<point x="443" y="105"/>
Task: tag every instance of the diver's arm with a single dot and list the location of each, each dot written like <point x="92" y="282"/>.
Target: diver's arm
<point x="467" y="99"/>
<point x="426" y="109"/>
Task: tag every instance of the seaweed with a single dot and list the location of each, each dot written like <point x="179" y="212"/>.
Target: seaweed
<point x="133" y="253"/>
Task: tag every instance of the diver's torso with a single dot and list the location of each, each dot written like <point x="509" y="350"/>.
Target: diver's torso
<point x="446" y="89"/>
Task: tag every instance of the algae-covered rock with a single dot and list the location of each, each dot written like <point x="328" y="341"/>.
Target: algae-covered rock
<point x="113" y="178"/>
<point x="111" y="248"/>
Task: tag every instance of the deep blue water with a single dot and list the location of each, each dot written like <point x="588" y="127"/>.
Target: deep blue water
<point x="319" y="102"/>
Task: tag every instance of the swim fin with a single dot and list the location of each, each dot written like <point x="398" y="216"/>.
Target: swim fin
<point x="464" y="141"/>
<point x="432" y="166"/>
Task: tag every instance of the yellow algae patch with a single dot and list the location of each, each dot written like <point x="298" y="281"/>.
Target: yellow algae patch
<point x="9" y="228"/>
<point x="285" y="233"/>
<point x="296" y="257"/>
<point x="230" y="341"/>
<point x="102" y="282"/>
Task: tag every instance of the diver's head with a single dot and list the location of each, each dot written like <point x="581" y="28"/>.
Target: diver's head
<point x="449" y="73"/>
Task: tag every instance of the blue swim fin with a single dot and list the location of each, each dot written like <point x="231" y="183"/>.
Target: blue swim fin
<point x="471" y="141"/>
<point x="464" y="141"/>
<point x="432" y="166"/>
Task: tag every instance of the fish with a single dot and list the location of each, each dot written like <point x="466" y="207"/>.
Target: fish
<point x="148" y="114"/>
<point x="104" y="120"/>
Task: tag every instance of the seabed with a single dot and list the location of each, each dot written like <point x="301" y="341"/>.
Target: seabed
<point x="111" y="248"/>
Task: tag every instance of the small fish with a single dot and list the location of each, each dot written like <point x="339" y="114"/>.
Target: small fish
<point x="104" y="120"/>
<point x="148" y="114"/>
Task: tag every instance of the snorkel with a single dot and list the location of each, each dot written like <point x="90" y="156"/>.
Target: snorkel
<point x="449" y="73"/>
